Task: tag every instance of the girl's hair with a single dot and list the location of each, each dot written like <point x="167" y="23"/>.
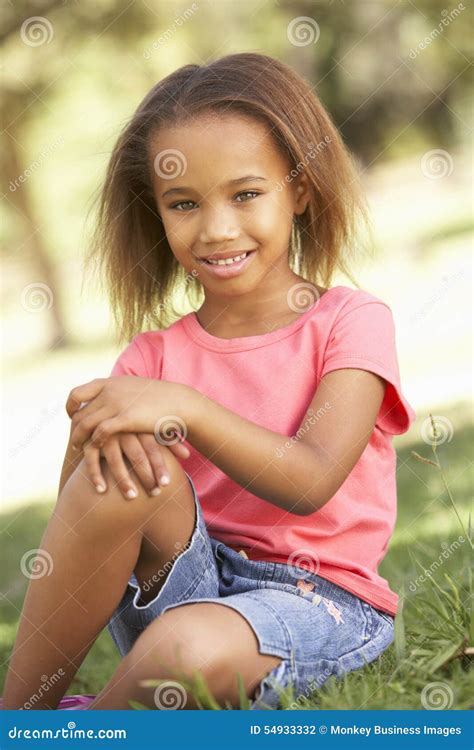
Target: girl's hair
<point x="142" y="275"/>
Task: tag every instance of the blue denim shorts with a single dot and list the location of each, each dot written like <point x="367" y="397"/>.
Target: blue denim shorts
<point x="315" y="627"/>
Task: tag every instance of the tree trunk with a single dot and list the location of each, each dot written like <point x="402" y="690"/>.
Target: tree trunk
<point x="42" y="268"/>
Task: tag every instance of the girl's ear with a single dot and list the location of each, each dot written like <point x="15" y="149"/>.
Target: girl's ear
<point x="301" y="195"/>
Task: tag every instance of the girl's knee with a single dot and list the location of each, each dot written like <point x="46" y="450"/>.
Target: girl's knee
<point x="86" y="509"/>
<point x="172" y="647"/>
<point x="81" y="504"/>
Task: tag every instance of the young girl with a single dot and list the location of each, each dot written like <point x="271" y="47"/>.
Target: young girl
<point x="258" y="564"/>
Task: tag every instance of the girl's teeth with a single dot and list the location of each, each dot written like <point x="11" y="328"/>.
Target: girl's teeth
<point x="227" y="261"/>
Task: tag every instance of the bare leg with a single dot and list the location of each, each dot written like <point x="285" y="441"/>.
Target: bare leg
<point x="93" y="543"/>
<point x="205" y="637"/>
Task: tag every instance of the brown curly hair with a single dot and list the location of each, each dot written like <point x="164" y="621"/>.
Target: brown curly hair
<point x="142" y="276"/>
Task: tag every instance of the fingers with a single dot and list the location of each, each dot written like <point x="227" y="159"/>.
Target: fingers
<point x="133" y="448"/>
<point x="113" y="453"/>
<point x="147" y="457"/>
<point x="85" y="409"/>
<point x="156" y="457"/>
<point x="92" y="461"/>
<point x="109" y="427"/>
<point x="179" y="450"/>
<point x="81" y="393"/>
<point x="84" y="425"/>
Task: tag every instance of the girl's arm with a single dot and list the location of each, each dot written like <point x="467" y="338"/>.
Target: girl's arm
<point x="299" y="474"/>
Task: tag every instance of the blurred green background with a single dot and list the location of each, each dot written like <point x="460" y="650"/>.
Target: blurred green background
<point x="395" y="77"/>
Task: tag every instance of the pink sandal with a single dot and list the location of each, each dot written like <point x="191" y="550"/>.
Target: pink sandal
<point x="71" y="702"/>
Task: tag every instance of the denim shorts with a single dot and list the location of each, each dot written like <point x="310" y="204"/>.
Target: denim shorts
<point x="315" y="627"/>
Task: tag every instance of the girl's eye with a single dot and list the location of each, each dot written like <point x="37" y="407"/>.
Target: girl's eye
<point x="182" y="203"/>
<point x="253" y="193"/>
<point x="179" y="206"/>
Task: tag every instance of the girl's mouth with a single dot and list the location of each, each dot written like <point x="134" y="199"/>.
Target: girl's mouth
<point x="229" y="269"/>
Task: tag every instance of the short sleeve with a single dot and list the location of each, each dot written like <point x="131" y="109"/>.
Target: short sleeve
<point x="142" y="357"/>
<point x="363" y="337"/>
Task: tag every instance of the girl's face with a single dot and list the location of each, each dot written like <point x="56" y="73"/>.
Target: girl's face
<point x="220" y="189"/>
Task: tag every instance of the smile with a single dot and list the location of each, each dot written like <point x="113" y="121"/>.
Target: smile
<point x="230" y="266"/>
<point x="227" y="261"/>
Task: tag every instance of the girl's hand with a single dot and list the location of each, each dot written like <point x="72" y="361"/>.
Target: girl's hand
<point x="144" y="453"/>
<point x="127" y="403"/>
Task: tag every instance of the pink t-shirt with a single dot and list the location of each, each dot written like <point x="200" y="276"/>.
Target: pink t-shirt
<point x="271" y="379"/>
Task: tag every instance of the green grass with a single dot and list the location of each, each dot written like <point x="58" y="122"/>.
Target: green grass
<point x="434" y="630"/>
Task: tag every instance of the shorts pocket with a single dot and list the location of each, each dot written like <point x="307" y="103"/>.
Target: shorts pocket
<point x="383" y="618"/>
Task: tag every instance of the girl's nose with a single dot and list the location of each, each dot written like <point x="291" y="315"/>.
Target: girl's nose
<point x="218" y="227"/>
